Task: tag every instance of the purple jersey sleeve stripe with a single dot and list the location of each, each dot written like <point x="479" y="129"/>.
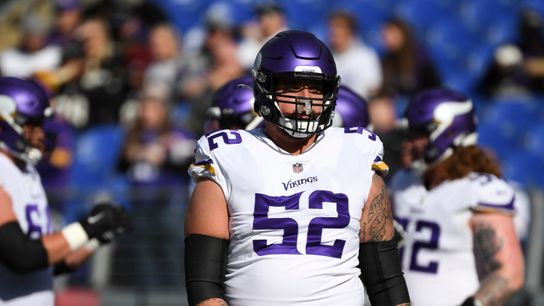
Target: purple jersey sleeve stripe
<point x="509" y="206"/>
<point x="204" y="162"/>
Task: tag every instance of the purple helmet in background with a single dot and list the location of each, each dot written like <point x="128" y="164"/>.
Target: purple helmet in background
<point x="351" y="109"/>
<point x="446" y="117"/>
<point x="232" y="107"/>
<point x="22" y="102"/>
<point x="295" y="56"/>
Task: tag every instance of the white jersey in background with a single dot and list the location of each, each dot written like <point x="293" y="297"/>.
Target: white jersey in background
<point x="437" y="256"/>
<point x="30" y="206"/>
<point x="294" y="220"/>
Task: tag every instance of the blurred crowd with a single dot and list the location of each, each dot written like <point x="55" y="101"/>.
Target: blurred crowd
<point x="103" y="59"/>
<point x="132" y="66"/>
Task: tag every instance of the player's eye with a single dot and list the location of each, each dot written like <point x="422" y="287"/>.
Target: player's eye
<point x="291" y="86"/>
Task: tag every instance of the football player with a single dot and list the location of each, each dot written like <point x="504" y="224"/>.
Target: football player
<point x="460" y="242"/>
<point x="351" y="109"/>
<point x="30" y="250"/>
<point x="291" y="213"/>
<point x="232" y="107"/>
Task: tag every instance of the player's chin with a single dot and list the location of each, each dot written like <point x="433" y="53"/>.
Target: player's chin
<point x="40" y="146"/>
<point x="295" y="136"/>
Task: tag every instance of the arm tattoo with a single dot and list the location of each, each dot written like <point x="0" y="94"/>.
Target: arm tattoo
<point x="377" y="227"/>
<point x="493" y="287"/>
<point x="486" y="246"/>
<point x="493" y="291"/>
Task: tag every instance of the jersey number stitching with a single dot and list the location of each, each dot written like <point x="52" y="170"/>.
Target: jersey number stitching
<point x="225" y="136"/>
<point x="418" y="245"/>
<point x="290" y="227"/>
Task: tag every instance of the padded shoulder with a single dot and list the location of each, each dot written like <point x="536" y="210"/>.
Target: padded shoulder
<point x="491" y="193"/>
<point x="368" y="141"/>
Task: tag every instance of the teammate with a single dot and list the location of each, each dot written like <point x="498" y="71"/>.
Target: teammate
<point x="351" y="109"/>
<point x="29" y="249"/>
<point x="291" y="213"/>
<point x="232" y="107"/>
<point x="460" y="243"/>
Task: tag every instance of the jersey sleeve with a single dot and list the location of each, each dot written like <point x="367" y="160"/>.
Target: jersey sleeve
<point x="492" y="195"/>
<point x="206" y="165"/>
<point x="378" y="165"/>
<point x="371" y="147"/>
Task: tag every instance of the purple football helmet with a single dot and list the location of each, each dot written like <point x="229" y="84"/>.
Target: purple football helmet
<point x="232" y="107"/>
<point x="22" y="102"/>
<point x="446" y="117"/>
<point x="351" y="109"/>
<point x="297" y="57"/>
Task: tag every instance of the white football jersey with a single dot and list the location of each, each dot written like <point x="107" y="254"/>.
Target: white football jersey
<point x="437" y="256"/>
<point x="30" y="206"/>
<point x="294" y="220"/>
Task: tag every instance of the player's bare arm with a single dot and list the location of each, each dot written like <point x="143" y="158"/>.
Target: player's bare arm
<point x="378" y="256"/>
<point x="207" y="212"/>
<point x="55" y="244"/>
<point x="377" y="220"/>
<point x="206" y="226"/>
<point x="498" y="257"/>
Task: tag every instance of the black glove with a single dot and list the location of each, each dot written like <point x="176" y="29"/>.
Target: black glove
<point x="105" y="222"/>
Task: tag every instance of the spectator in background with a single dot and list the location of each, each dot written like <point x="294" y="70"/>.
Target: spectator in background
<point x="407" y="67"/>
<point x="531" y="44"/>
<point x="98" y="86"/>
<point x="166" y="58"/>
<point x="383" y="120"/>
<point x="517" y="69"/>
<point x="270" y="21"/>
<point x="357" y="64"/>
<point x="132" y="33"/>
<point x="505" y="75"/>
<point x="210" y="69"/>
<point x="155" y="151"/>
<point x="154" y="156"/>
<point x="68" y="14"/>
<point x="32" y="54"/>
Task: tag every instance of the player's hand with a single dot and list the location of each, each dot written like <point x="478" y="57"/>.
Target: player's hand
<point x="105" y="222"/>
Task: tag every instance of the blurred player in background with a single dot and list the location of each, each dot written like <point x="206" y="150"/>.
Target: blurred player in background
<point x="30" y="251"/>
<point x="460" y="244"/>
<point x="291" y="213"/>
<point x="351" y="109"/>
<point x="232" y="107"/>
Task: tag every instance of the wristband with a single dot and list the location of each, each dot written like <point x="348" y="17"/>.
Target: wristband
<point x="92" y="245"/>
<point x="75" y="235"/>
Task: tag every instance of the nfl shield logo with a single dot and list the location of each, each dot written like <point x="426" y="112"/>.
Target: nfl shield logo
<point x="297" y="168"/>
